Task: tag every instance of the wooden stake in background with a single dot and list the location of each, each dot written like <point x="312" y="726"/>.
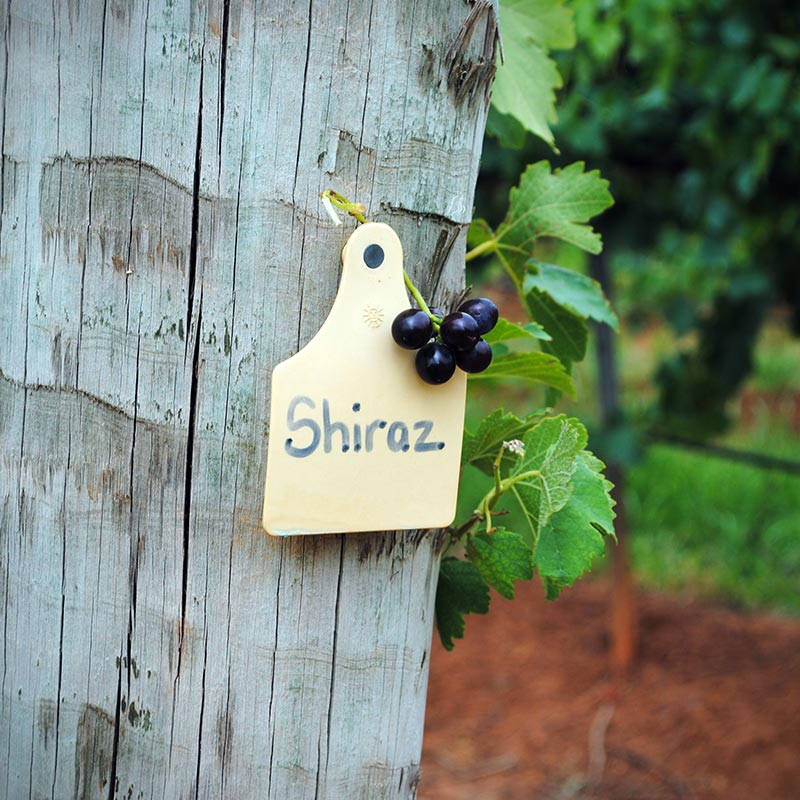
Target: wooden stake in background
<point x="624" y="625"/>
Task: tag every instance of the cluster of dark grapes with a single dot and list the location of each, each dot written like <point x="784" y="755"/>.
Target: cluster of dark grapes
<point x="457" y="344"/>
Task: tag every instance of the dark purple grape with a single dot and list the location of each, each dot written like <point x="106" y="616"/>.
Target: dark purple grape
<point x="483" y="311"/>
<point x="412" y="328"/>
<point x="435" y="363"/>
<point x="437" y="312"/>
<point x="459" y="330"/>
<point x="477" y="359"/>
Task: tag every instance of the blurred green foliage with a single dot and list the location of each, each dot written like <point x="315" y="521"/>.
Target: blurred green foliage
<point x="718" y="529"/>
<point x="692" y="111"/>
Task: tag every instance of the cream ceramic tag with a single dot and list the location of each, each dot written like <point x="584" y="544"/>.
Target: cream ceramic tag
<point x="358" y="442"/>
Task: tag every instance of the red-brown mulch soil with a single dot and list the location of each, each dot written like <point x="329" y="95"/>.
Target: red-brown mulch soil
<point x="526" y="706"/>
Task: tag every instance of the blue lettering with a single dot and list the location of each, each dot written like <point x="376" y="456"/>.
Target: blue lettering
<point x="357" y="431"/>
<point x="376" y="423"/>
<point x="296" y="425"/>
<point x="422" y="445"/>
<point x="395" y="444"/>
<point x="329" y="428"/>
<point x="363" y="436"/>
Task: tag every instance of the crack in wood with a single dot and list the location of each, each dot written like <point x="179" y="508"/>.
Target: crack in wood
<point x="336" y="626"/>
<point x="303" y="96"/>
<point x="112" y="783"/>
<point x="270" y="721"/>
<point x="3" y="129"/>
<point x="202" y="694"/>
<point x="223" y="64"/>
<point x="192" y="422"/>
<point x="63" y="603"/>
<point x="426" y="216"/>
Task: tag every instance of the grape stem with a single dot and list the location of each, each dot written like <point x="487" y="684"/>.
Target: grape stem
<point x="358" y="211"/>
<point x="415" y="293"/>
<point x="493" y="245"/>
<point x="479" y="250"/>
<point x="498" y="488"/>
<point x="484" y="510"/>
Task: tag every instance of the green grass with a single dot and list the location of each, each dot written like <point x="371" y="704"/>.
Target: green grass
<point x="715" y="528"/>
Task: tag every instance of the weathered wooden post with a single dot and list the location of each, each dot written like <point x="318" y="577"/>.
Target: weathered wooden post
<point x="161" y="248"/>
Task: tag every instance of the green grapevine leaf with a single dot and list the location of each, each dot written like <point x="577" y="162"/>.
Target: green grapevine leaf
<point x="537" y="366"/>
<point x="505" y="330"/>
<point x="603" y="509"/>
<point x="573" y="536"/>
<point x="568" y="332"/>
<point x="481" y="448"/>
<point x="551" y="451"/>
<point x="501" y="558"/>
<point x="556" y="204"/>
<point x="526" y="82"/>
<point x="525" y="85"/>
<point x="577" y="293"/>
<point x="461" y="590"/>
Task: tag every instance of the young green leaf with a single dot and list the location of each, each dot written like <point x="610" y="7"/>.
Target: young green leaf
<point x="526" y="82"/>
<point x="481" y="448"/>
<point x="525" y="85"/>
<point x="479" y="232"/>
<point x="542" y="479"/>
<point x="555" y="204"/>
<point x="505" y="331"/>
<point x="540" y="367"/>
<point x="577" y="293"/>
<point x="461" y="590"/>
<point x="548" y="22"/>
<point x="573" y="536"/>
<point x="501" y="559"/>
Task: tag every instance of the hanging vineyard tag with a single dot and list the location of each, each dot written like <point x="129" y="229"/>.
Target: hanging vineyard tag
<point x="358" y="441"/>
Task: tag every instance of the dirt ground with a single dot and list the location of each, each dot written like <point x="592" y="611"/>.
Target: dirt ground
<point x="526" y="705"/>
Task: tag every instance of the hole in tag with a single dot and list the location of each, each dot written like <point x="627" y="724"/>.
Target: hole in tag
<point x="373" y="256"/>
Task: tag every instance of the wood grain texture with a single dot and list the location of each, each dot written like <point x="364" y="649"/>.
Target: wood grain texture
<point x="161" y="249"/>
